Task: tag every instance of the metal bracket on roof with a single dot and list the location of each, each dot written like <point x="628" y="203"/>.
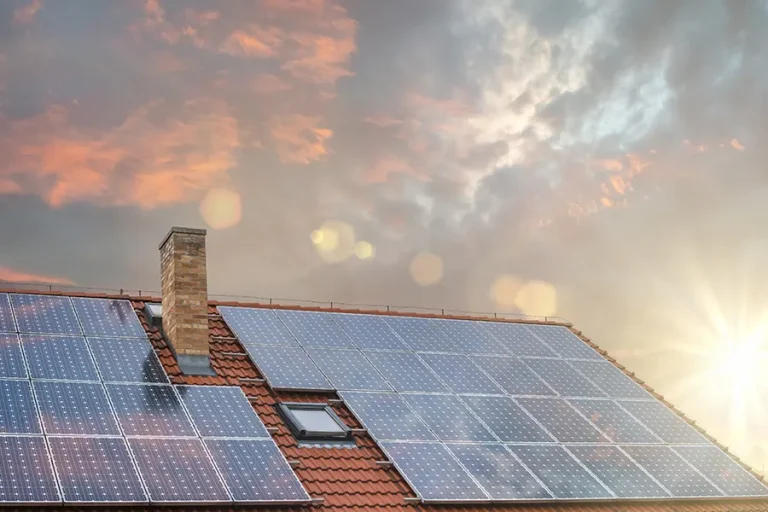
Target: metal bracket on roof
<point x="412" y="500"/>
<point x="386" y="464"/>
<point x="335" y="401"/>
<point x="255" y="381"/>
<point x="273" y="430"/>
<point x="359" y="430"/>
<point x="294" y="463"/>
<point x="317" y="501"/>
<point x="232" y="354"/>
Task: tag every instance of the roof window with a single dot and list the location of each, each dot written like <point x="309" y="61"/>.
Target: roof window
<point x="314" y="422"/>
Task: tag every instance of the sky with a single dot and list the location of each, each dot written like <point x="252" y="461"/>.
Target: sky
<point x="600" y="161"/>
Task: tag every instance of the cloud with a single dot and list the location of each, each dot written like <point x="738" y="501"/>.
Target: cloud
<point x="735" y="144"/>
<point x="299" y="139"/>
<point x="256" y="41"/>
<point x="26" y="14"/>
<point x="266" y="83"/>
<point x="13" y="276"/>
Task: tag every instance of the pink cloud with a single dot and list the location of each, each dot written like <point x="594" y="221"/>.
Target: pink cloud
<point x="12" y="276"/>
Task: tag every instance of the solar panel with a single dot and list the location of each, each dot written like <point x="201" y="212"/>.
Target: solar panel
<point x="149" y="410"/>
<point x="256" y="471"/>
<point x="461" y="374"/>
<point x="561" y="420"/>
<point x="433" y="472"/>
<point x="560" y="472"/>
<point x="421" y="334"/>
<point x="138" y="361"/>
<point x="563" y="378"/>
<point x="405" y="372"/>
<point x="314" y="329"/>
<point x="722" y="470"/>
<point x="663" y="422"/>
<point x="506" y="419"/>
<point x="564" y="342"/>
<point x="75" y="408"/>
<point x="369" y="332"/>
<point x="348" y="369"/>
<point x="6" y="317"/>
<point x="518" y="339"/>
<point x="45" y="314"/>
<point x="177" y="470"/>
<point x="610" y="379"/>
<point x="471" y="338"/>
<point x="58" y="358"/>
<point x="257" y="326"/>
<point x="108" y="317"/>
<point x="514" y="376"/>
<point x="18" y="414"/>
<point x="614" y="422"/>
<point x="671" y="471"/>
<point x="498" y="472"/>
<point x="387" y="416"/>
<point x="26" y="475"/>
<point x="95" y="470"/>
<point x="617" y="471"/>
<point x="288" y="368"/>
<point x="448" y="418"/>
<point x="11" y="360"/>
<point x="219" y="411"/>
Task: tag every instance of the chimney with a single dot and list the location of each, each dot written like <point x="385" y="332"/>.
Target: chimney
<point x="185" y="299"/>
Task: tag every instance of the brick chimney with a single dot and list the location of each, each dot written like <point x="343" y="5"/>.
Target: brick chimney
<point x="185" y="298"/>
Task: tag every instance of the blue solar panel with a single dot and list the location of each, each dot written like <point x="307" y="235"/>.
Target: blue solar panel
<point x="421" y="334"/>
<point x="433" y="472"/>
<point x="663" y="422"/>
<point x="722" y="470"/>
<point x="449" y="418"/>
<point x="506" y="419"/>
<point x="671" y="471"/>
<point x="405" y="372"/>
<point x="369" y="332"/>
<point x="564" y="342"/>
<point x="617" y="471"/>
<point x="471" y="337"/>
<point x="461" y="374"/>
<point x="256" y="471"/>
<point x="45" y="314"/>
<point x="75" y="408"/>
<point x="177" y="471"/>
<point x="108" y="317"/>
<point x="512" y="375"/>
<point x="518" y="339"/>
<point x="26" y="475"/>
<point x="314" y="329"/>
<point x="18" y="414"/>
<point x="138" y="361"/>
<point x="348" y="369"/>
<point x="149" y="410"/>
<point x="614" y="422"/>
<point x="219" y="411"/>
<point x="58" y="358"/>
<point x="498" y="472"/>
<point x="610" y="379"/>
<point x="257" y="326"/>
<point x="11" y="360"/>
<point x="561" y="420"/>
<point x="6" y="317"/>
<point x="387" y="416"/>
<point x="288" y="368"/>
<point x="95" y="470"/>
<point x="560" y="472"/>
<point x="563" y="378"/>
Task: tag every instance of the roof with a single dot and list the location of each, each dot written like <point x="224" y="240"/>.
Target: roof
<point x="343" y="479"/>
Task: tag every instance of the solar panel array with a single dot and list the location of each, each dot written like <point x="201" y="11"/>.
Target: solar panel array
<point x="88" y="415"/>
<point x="492" y="411"/>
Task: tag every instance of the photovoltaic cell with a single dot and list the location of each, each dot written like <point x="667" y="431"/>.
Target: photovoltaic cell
<point x="149" y="410"/>
<point x="561" y="420"/>
<point x="348" y="369"/>
<point x="560" y="472"/>
<point x="369" y="332"/>
<point x="137" y="362"/>
<point x="663" y="422"/>
<point x="11" y="361"/>
<point x="18" y="414"/>
<point x="506" y="419"/>
<point x="461" y="374"/>
<point x="255" y="470"/>
<point x="6" y="317"/>
<point x="563" y="378"/>
<point x="44" y="314"/>
<point x="671" y="471"/>
<point x="422" y="335"/>
<point x="610" y="379"/>
<point x="288" y="368"/>
<point x="387" y="416"/>
<point x="108" y="317"/>
<point x="614" y="422"/>
<point x="471" y="338"/>
<point x="498" y="472"/>
<point x="26" y="475"/>
<point x="564" y="342"/>
<point x="58" y="358"/>
<point x="314" y="329"/>
<point x="514" y="376"/>
<point x="405" y="372"/>
<point x="723" y="471"/>
<point x="617" y="472"/>
<point x="177" y="470"/>
<point x="221" y="411"/>
<point x="75" y="408"/>
<point x="448" y="418"/>
<point x="95" y="470"/>
<point x="433" y="472"/>
<point x="257" y="326"/>
<point x="518" y="339"/>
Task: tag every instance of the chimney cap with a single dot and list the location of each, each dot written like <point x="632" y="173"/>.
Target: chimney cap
<point x="186" y="231"/>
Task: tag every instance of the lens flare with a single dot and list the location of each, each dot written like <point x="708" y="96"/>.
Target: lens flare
<point x="537" y="298"/>
<point x="334" y="241"/>
<point x="504" y="291"/>
<point x="221" y="208"/>
<point x="364" y="250"/>
<point x="426" y="269"/>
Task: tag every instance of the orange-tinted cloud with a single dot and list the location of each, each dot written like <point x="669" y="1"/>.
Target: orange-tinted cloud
<point x="610" y="165"/>
<point x="265" y="83"/>
<point x="13" y="276"/>
<point x="383" y="121"/>
<point x="299" y="139"/>
<point x="256" y="41"/>
<point x="381" y="171"/>
<point x="735" y="144"/>
<point x="26" y="13"/>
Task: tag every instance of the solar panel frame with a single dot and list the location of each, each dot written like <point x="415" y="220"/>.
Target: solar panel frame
<point x="97" y="319"/>
<point x="314" y="329"/>
<point x="514" y="376"/>
<point x="518" y="339"/>
<point x="348" y="369"/>
<point x="611" y="380"/>
<point x="20" y="415"/>
<point x="561" y="420"/>
<point x="118" y="370"/>
<point x="382" y="337"/>
<point x="39" y="492"/>
<point x="56" y="316"/>
<point x="564" y="343"/>
<point x="258" y="326"/>
<point x="242" y="421"/>
<point x="715" y="471"/>
<point x="272" y="361"/>
<point x="470" y="337"/>
<point x="12" y="364"/>
<point x="504" y="428"/>
<point x="403" y="420"/>
<point x="393" y="366"/>
<point x="56" y="357"/>
<point x="613" y="421"/>
<point x="460" y="374"/>
<point x="75" y="408"/>
<point x="7" y="321"/>
<point x="135" y="419"/>
<point x="422" y="334"/>
<point x="663" y="422"/>
<point x="449" y="418"/>
<point x="563" y="378"/>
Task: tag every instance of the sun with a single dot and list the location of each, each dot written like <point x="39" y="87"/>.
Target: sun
<point x="738" y="363"/>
